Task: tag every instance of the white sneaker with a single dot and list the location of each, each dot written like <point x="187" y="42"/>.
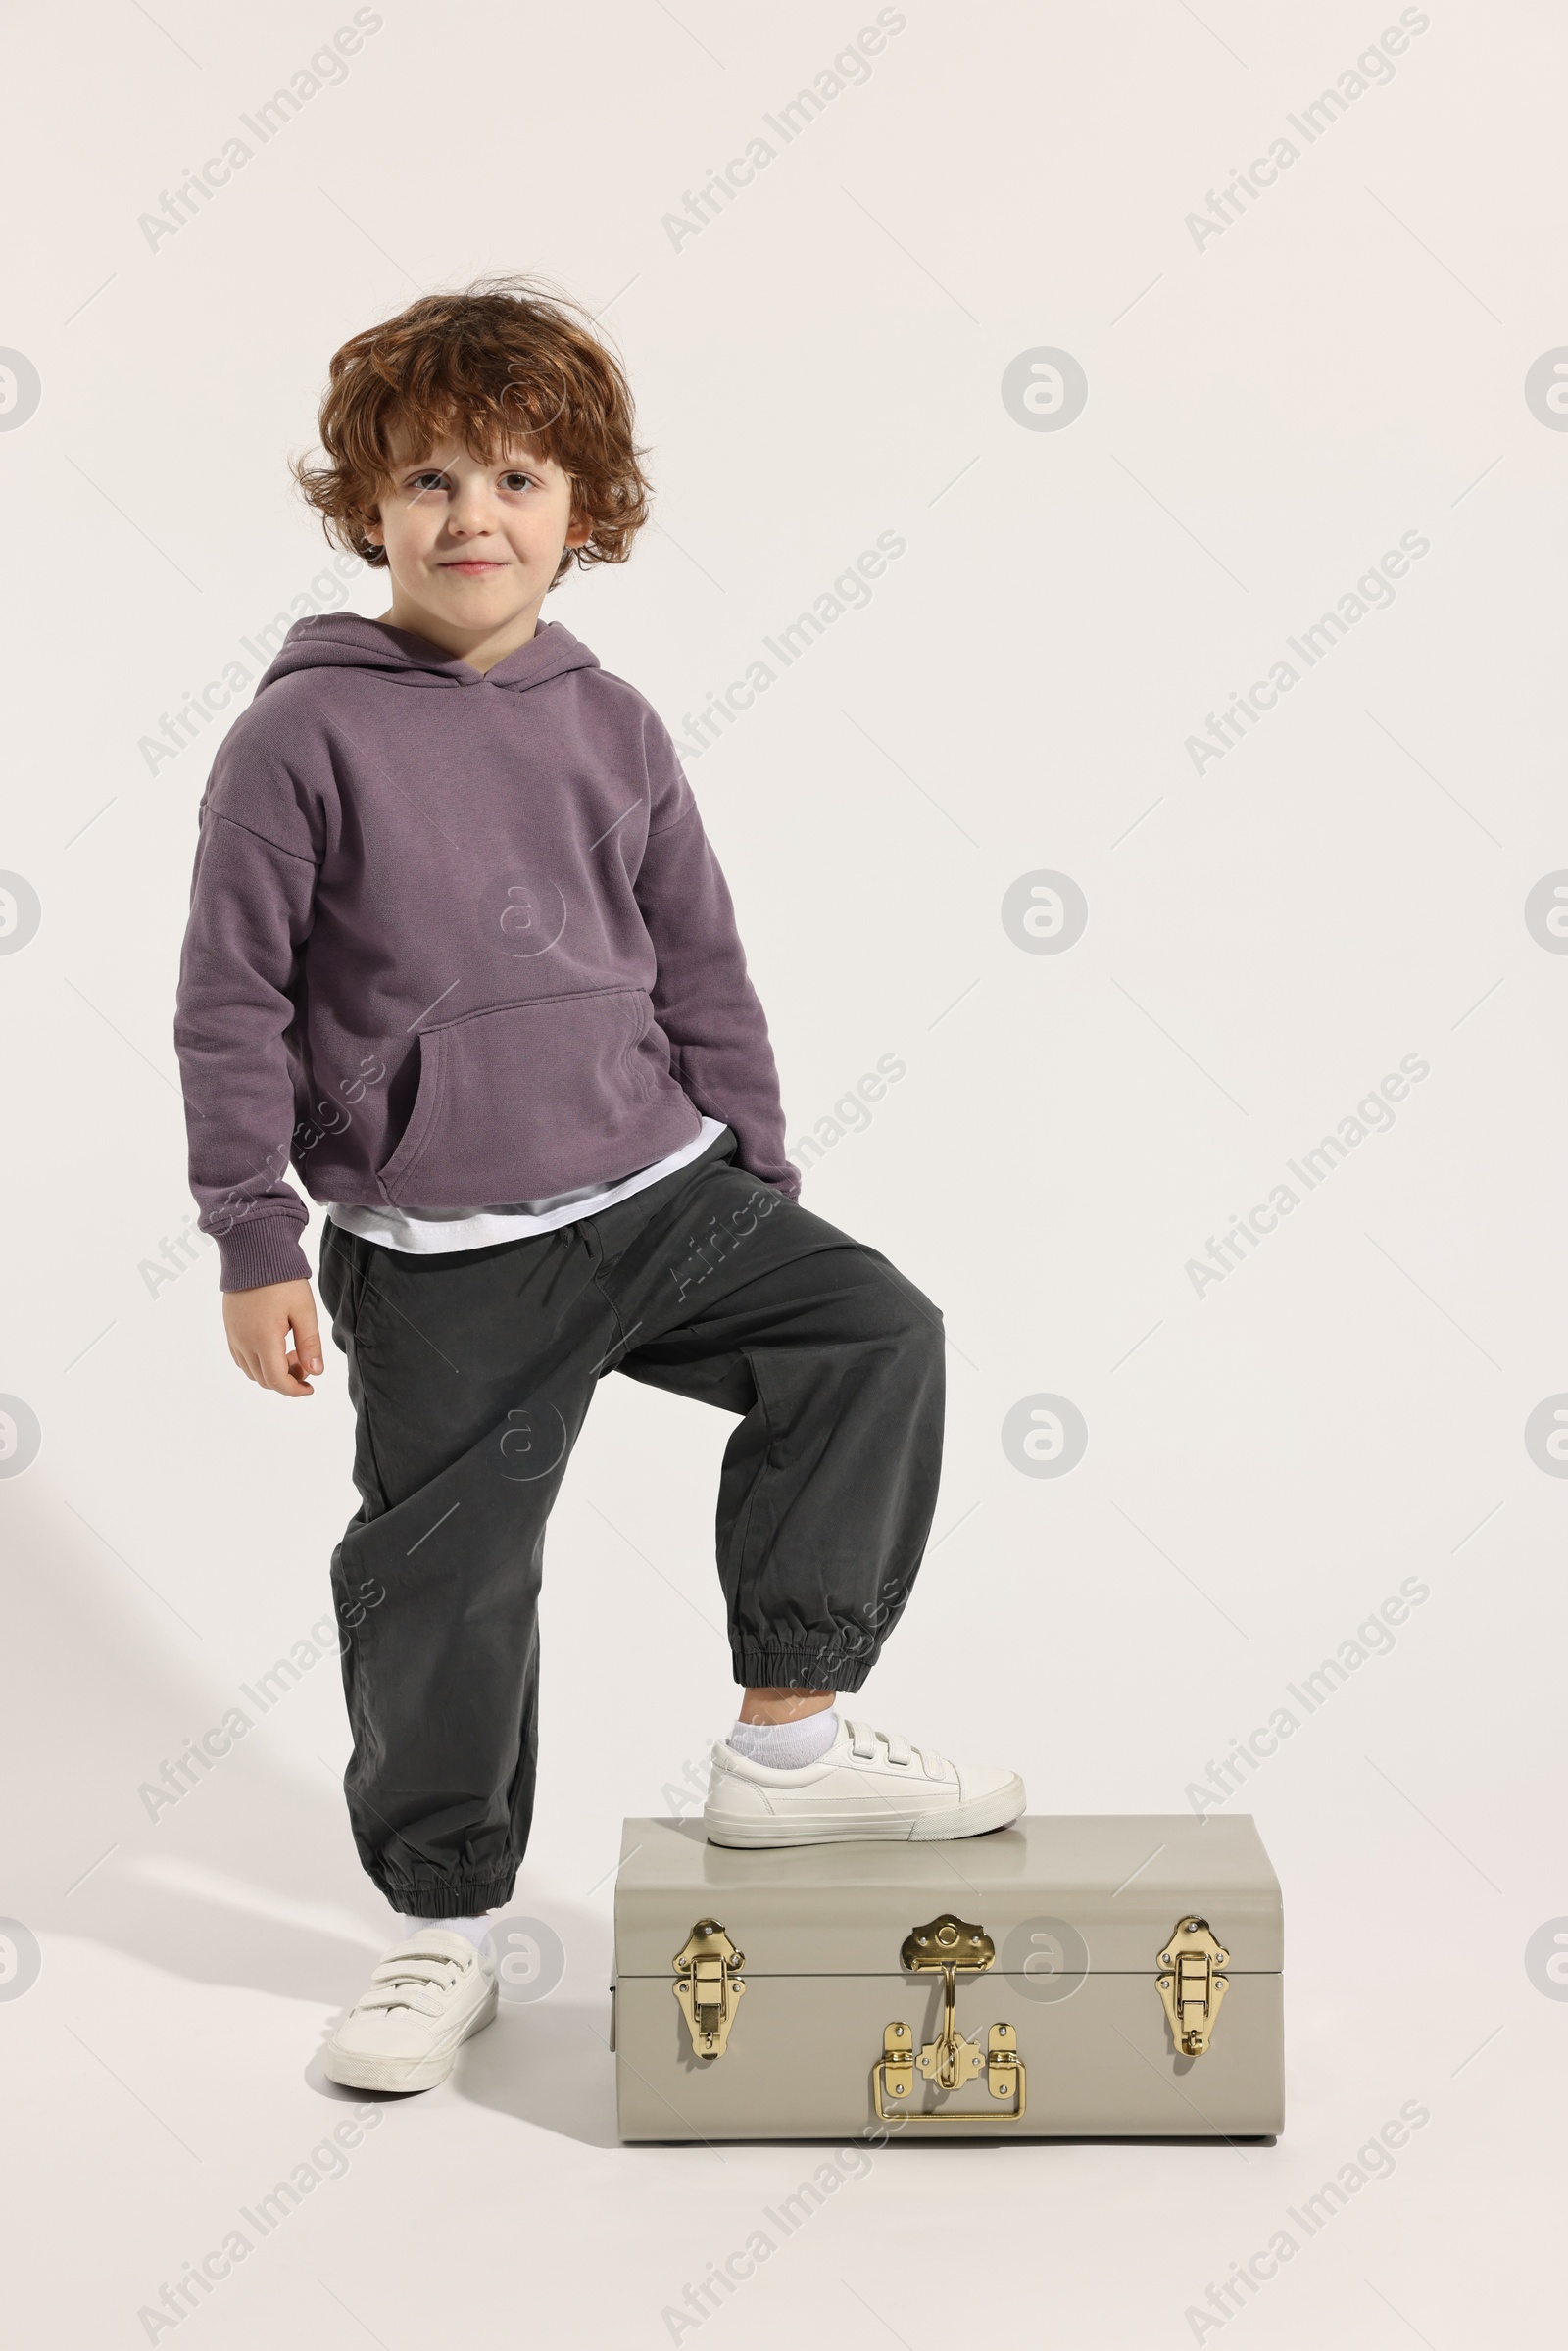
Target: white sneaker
<point x="427" y="1995"/>
<point x="870" y="1783"/>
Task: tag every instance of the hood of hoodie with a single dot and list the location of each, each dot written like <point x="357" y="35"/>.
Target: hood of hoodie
<point x="345" y="641"/>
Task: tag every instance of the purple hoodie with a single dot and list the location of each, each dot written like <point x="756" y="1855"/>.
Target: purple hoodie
<point x="456" y="941"/>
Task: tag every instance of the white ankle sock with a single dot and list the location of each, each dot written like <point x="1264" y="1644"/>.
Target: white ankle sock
<point x="473" y="1929"/>
<point x="786" y="1747"/>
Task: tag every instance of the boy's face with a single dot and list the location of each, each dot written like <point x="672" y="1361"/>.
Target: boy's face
<point x="474" y="545"/>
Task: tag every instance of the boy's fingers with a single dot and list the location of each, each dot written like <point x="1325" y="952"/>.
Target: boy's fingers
<point x="274" y="1365"/>
<point x="307" y="1335"/>
<point x="258" y="1328"/>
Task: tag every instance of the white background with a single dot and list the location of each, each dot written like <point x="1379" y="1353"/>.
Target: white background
<point x="1267" y="413"/>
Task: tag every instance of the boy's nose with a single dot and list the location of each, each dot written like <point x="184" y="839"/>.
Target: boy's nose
<point x="472" y="514"/>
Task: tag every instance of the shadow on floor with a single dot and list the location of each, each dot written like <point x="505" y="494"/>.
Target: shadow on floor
<point x="548" y="2064"/>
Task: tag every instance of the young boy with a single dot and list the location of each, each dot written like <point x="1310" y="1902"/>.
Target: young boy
<point x="460" y="951"/>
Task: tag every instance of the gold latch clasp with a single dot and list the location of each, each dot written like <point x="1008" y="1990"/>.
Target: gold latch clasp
<point x="896" y="2073"/>
<point x="949" y="1945"/>
<point x="708" y="1986"/>
<point x="1004" y="2065"/>
<point x="1190" y="1985"/>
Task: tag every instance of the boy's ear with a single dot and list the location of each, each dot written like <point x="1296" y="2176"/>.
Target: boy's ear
<point x="580" y="530"/>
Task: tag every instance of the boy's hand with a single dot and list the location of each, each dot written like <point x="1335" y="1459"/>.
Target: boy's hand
<point x="257" y="1323"/>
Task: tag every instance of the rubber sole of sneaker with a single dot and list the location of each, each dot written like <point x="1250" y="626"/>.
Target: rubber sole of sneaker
<point x="974" y="1819"/>
<point x="356" y="2069"/>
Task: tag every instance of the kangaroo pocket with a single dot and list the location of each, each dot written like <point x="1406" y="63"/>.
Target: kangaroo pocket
<point x="527" y="1100"/>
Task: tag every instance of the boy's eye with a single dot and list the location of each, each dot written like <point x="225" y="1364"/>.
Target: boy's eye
<point x="436" y="480"/>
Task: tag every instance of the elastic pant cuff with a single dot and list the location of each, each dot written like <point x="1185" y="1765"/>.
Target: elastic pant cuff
<point x="457" y="1899"/>
<point x="816" y="1668"/>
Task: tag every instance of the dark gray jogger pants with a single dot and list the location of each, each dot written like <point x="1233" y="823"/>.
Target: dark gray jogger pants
<point x="470" y="1374"/>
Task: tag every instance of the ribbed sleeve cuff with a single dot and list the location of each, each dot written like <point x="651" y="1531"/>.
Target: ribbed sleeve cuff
<point x="266" y="1249"/>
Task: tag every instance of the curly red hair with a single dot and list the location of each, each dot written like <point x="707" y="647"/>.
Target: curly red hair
<point x="503" y="360"/>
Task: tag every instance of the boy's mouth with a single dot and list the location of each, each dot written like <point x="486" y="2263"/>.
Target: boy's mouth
<point x="473" y="566"/>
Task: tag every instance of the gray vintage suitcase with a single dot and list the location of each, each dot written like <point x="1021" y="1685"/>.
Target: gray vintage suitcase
<point x="1084" y="1975"/>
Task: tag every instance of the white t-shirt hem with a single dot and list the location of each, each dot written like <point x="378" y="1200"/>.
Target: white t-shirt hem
<point x="481" y="1227"/>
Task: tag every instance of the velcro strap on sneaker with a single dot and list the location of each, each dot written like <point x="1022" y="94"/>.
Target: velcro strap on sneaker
<point x="863" y="1740"/>
<point x="426" y="1967"/>
<point x="412" y="1976"/>
<point x="420" y="1997"/>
